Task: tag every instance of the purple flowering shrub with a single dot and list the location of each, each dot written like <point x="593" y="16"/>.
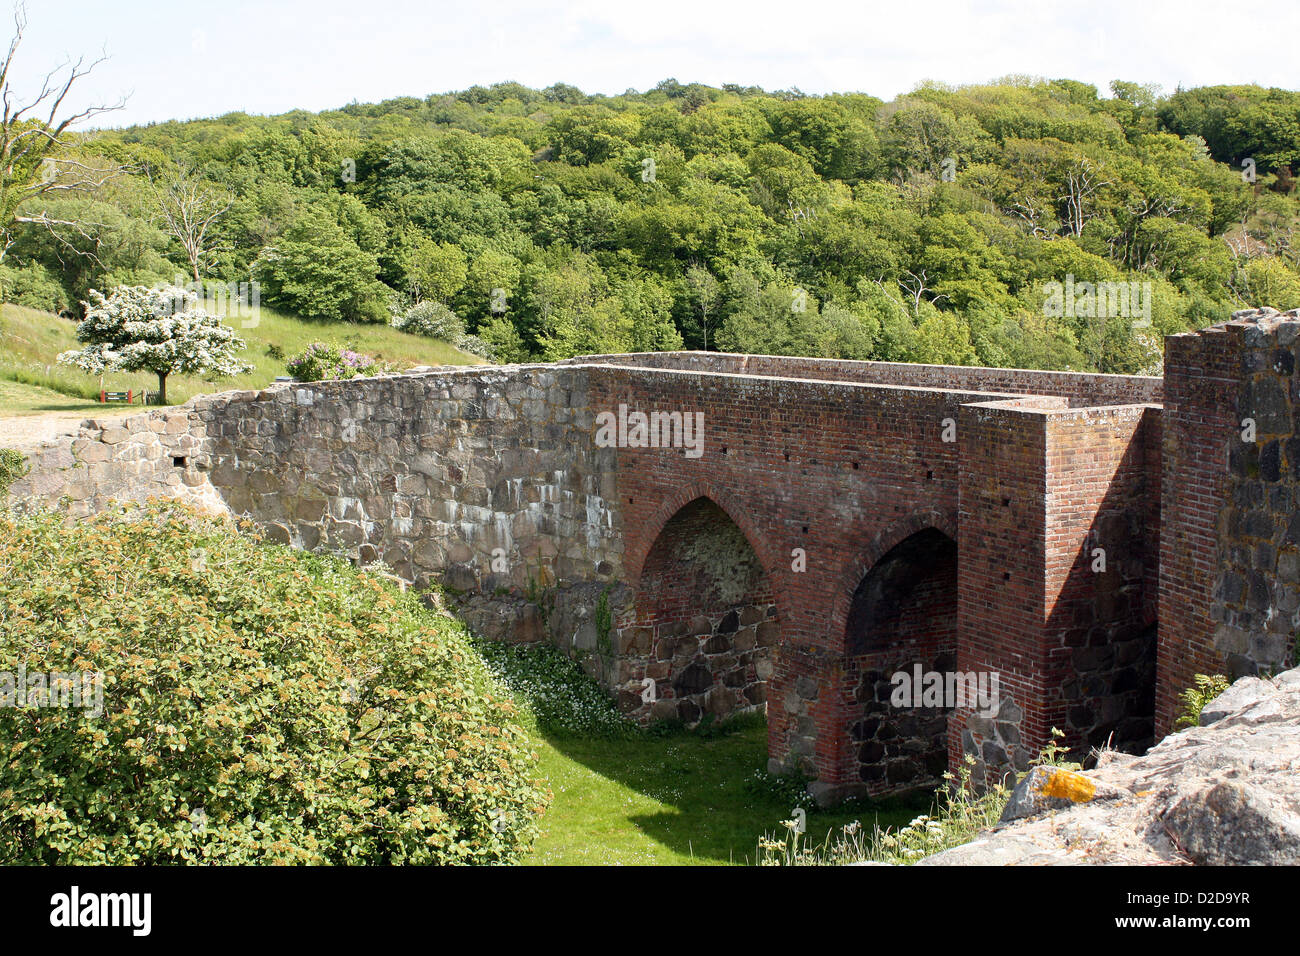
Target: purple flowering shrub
<point x="324" y="360"/>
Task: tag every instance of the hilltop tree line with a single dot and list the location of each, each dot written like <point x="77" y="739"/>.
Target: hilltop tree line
<point x="552" y="223"/>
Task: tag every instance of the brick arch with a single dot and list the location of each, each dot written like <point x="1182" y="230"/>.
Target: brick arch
<point x="884" y="542"/>
<point x="638" y="549"/>
<point x="710" y="656"/>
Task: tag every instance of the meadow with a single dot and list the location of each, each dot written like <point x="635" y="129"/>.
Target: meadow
<point x="31" y="340"/>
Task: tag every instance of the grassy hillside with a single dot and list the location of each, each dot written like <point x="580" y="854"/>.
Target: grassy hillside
<point x="19" y="399"/>
<point x="30" y="342"/>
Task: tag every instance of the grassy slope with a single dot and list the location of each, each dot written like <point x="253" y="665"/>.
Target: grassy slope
<point x="17" y="399"/>
<point x="30" y="341"/>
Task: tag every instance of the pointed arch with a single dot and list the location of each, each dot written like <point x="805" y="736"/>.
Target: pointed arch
<point x="644" y="538"/>
<point x="880" y="545"/>
<point x="705" y="623"/>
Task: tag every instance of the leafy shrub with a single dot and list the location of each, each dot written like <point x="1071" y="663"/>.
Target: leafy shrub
<point x="317" y="271"/>
<point x="260" y="705"/>
<point x="434" y="320"/>
<point x="502" y="341"/>
<point x="324" y="360"/>
<point x="1204" y="689"/>
<point x="477" y="346"/>
<point x="33" y="286"/>
<point x="13" y="465"/>
<point x="431" y="319"/>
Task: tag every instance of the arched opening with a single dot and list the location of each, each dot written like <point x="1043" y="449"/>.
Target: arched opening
<point x="705" y="620"/>
<point x="901" y="645"/>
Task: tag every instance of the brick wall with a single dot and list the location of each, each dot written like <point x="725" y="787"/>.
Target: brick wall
<point x="1001" y="598"/>
<point x="1199" y="423"/>
<point x="1100" y="627"/>
<point x="1230" y="547"/>
<point x="1081" y="388"/>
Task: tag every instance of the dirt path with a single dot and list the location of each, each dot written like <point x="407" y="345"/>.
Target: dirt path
<point x="26" y="431"/>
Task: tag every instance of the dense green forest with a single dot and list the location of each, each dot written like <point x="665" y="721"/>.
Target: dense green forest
<point x="555" y="223"/>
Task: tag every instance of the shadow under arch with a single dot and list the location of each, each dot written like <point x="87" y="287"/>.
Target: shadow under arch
<point x="900" y="645"/>
<point x="704" y="623"/>
<point x="884" y="541"/>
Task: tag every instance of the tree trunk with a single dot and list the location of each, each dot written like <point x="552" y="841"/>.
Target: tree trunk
<point x="162" y="388"/>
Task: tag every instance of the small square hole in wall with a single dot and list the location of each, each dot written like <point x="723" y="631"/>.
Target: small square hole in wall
<point x="180" y="461"/>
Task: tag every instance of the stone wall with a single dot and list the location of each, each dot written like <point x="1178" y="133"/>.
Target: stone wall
<point x="1258" y="556"/>
<point x="159" y="454"/>
<point x="483" y="479"/>
<point x="1230" y="554"/>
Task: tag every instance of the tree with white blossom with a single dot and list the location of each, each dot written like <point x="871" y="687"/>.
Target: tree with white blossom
<point x="159" y="330"/>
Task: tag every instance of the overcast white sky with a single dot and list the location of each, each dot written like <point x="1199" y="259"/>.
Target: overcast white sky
<point x="176" y="59"/>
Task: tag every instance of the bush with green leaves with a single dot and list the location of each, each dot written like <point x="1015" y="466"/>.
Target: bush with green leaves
<point x="33" y="286"/>
<point x="260" y="705"/>
<point x="434" y="320"/>
<point x="325" y="360"/>
<point x="1205" y="687"/>
<point x="316" y="270"/>
<point x="13" y="465"/>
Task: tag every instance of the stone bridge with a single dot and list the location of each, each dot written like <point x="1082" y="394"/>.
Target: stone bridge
<point x="830" y="525"/>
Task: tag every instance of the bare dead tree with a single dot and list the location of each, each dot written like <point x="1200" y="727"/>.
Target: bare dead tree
<point x="35" y="138"/>
<point x="914" y="287"/>
<point x="1081" y="184"/>
<point x="1032" y="213"/>
<point x="190" y="206"/>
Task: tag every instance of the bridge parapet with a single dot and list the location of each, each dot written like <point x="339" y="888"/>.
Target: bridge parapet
<point x="812" y="492"/>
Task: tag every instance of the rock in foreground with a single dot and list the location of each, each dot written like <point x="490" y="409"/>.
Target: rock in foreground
<point x="1225" y="793"/>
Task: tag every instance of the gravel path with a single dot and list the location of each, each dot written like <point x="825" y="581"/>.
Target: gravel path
<point x="26" y="431"/>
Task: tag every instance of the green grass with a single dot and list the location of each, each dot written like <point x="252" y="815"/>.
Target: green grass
<point x="625" y="796"/>
<point x="17" y="399"/>
<point x="675" y="800"/>
<point x="30" y="342"/>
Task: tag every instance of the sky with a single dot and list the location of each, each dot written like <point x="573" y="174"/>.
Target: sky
<point x="179" y="59"/>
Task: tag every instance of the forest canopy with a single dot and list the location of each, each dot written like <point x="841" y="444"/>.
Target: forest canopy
<point x="554" y="223"/>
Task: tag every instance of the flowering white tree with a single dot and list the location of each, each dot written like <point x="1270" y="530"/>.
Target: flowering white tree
<point x="161" y="330"/>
